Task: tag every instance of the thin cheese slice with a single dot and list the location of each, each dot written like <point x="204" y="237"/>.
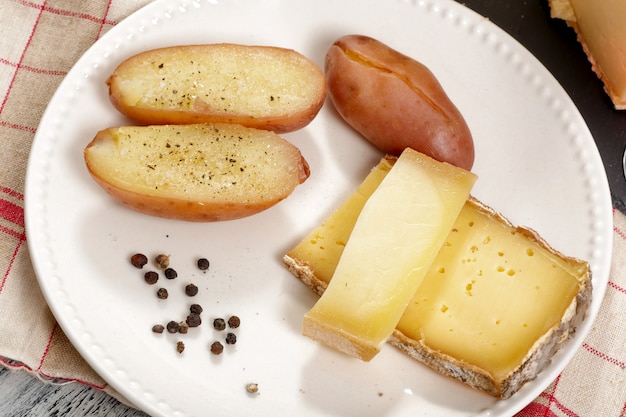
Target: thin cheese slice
<point x="495" y="305"/>
<point x="323" y="247"/>
<point x="601" y="30"/>
<point x="396" y="237"/>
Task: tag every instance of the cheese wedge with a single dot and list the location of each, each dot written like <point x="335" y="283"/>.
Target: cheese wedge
<point x="601" y="31"/>
<point x="494" y="307"/>
<point x="396" y="237"/>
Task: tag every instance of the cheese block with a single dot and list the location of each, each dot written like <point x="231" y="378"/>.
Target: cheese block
<point x="600" y="29"/>
<point x="395" y="238"/>
<point x="493" y="308"/>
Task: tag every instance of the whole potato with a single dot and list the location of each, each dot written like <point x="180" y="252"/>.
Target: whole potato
<point x="395" y="102"/>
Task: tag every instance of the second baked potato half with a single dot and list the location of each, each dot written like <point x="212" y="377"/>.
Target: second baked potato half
<point x="196" y="172"/>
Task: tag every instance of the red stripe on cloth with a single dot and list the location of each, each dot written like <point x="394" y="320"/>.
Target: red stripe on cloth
<point x="33" y="69"/>
<point x="14" y="233"/>
<point x="47" y="350"/>
<point x="103" y="21"/>
<point x="11" y="192"/>
<point x="550" y="395"/>
<point x="21" y="365"/>
<point x="553" y="401"/>
<point x="80" y="381"/>
<point x="62" y="12"/>
<point x="565" y="410"/>
<point x="19" y="64"/>
<point x="18" y="127"/>
<point x="617" y="287"/>
<point x="604" y="356"/>
<point x="12" y="212"/>
<point x="619" y="232"/>
<point x="42" y="360"/>
<point x="536" y="409"/>
<point x="5" y="277"/>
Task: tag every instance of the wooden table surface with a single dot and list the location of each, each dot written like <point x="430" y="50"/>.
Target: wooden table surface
<point x="22" y="394"/>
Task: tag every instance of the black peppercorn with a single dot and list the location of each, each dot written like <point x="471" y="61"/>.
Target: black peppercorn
<point x="231" y="339"/>
<point x="234" y="322"/>
<point x="194" y="320"/>
<point x="195" y="308"/>
<point x="162" y="293"/>
<point x="217" y="348"/>
<point x="172" y="327"/>
<point x="151" y="277"/>
<point x="203" y="264"/>
<point x="157" y="328"/>
<point x="139" y="260"/>
<point x="183" y="327"/>
<point x="219" y="324"/>
<point x="191" y="290"/>
<point x="170" y="273"/>
<point x="180" y="346"/>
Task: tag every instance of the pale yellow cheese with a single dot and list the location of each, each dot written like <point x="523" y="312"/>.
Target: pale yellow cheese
<point x="323" y="247"/>
<point x="490" y="294"/>
<point x="396" y="237"/>
<point x="495" y="305"/>
<point x="601" y="29"/>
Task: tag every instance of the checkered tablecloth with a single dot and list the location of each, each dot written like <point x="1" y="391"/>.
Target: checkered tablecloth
<point x="40" y="40"/>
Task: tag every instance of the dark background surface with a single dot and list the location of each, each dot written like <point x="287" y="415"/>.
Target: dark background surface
<point x="553" y="43"/>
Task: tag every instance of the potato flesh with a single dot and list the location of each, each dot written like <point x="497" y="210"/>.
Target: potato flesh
<point x="198" y="162"/>
<point x="228" y="79"/>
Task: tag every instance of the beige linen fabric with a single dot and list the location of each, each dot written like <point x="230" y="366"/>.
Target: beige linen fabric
<point x="39" y="42"/>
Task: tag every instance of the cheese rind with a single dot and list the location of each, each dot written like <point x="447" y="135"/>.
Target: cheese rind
<point x="395" y="238"/>
<point x="538" y="320"/>
<point x="601" y="31"/>
<point x="494" y="296"/>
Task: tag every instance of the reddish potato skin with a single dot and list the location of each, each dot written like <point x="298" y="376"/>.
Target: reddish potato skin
<point x="395" y="102"/>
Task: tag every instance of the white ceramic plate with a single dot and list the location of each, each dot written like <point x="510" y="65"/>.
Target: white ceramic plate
<point x="535" y="157"/>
